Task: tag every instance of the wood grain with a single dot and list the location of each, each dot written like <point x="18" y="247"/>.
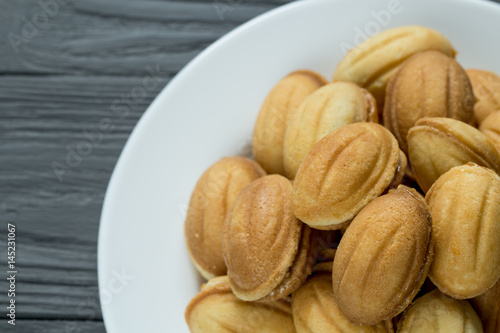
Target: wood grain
<point x="85" y="66"/>
<point x="54" y="326"/>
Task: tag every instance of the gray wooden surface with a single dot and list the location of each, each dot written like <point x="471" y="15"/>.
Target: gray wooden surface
<point x="83" y="64"/>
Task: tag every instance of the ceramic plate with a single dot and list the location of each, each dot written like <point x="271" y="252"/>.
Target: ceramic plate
<point x="208" y="111"/>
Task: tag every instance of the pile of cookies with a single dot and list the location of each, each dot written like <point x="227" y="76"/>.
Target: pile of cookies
<point x="373" y="203"/>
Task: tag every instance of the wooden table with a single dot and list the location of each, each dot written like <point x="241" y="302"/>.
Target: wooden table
<point x="67" y="68"/>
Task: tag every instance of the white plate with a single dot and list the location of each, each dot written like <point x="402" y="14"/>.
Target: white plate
<point x="208" y="110"/>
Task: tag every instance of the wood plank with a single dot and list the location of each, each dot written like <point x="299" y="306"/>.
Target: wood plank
<point x="53" y="326"/>
<point x="44" y="120"/>
<point x="115" y="37"/>
<point x="57" y="221"/>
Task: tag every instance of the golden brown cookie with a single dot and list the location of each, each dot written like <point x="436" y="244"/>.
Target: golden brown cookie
<point x="214" y="193"/>
<point x="372" y="63"/>
<point x="216" y="310"/>
<point x="428" y="84"/>
<point x="280" y="103"/>
<point x="383" y="258"/>
<point x="315" y="310"/>
<point x="328" y="108"/>
<point x="438" y="144"/>
<point x="487" y="306"/>
<point x="268" y="251"/>
<point x="345" y="171"/>
<point x="465" y="207"/>
<point x="486" y="86"/>
<point x="491" y="128"/>
<point x="438" y="313"/>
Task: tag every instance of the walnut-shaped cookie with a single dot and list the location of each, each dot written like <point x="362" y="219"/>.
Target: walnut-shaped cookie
<point x="372" y="63"/>
<point x="328" y="108"/>
<point x="438" y="144"/>
<point x="437" y="313"/>
<point x="216" y="310"/>
<point x="465" y="207"/>
<point x="344" y="171"/>
<point x="383" y="257"/>
<point x="279" y="105"/>
<point x="429" y="84"/>
<point x="315" y="310"/>
<point x="214" y="193"/>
